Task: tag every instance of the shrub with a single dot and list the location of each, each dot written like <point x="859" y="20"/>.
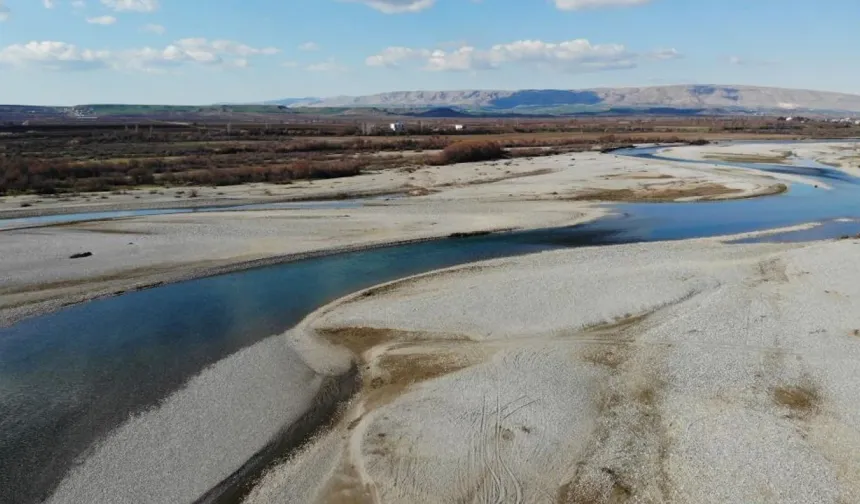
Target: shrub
<point x="45" y="187"/>
<point x="92" y="185"/>
<point x="471" y="151"/>
<point x="141" y="176"/>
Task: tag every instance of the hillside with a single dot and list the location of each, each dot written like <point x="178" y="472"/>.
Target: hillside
<point x="746" y="98"/>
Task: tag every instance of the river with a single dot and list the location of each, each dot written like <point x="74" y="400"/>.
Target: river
<point x="70" y="379"/>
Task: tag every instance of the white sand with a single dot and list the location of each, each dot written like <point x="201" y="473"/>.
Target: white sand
<point x="525" y="396"/>
<point x="843" y="156"/>
<point x="575" y="169"/>
<point x="734" y="381"/>
<point x="199" y="435"/>
<point x="37" y="275"/>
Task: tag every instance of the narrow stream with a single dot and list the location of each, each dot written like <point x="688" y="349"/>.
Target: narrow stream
<point x="68" y="380"/>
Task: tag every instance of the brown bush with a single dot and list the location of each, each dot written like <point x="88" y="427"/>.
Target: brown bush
<point x="471" y="151"/>
<point x="140" y="175"/>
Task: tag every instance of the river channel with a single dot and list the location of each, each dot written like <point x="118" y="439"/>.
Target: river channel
<point x="69" y="380"/>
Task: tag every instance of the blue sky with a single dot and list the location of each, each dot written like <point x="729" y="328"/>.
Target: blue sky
<point x="63" y="52"/>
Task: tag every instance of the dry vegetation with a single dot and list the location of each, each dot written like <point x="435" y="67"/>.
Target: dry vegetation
<point x="470" y="151"/>
<point x="663" y="193"/>
<point x="79" y="157"/>
<point x="750" y="158"/>
<point x="657" y="193"/>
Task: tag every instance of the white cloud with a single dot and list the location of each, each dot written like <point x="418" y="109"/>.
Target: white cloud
<point x="665" y="54"/>
<point x="595" y="4"/>
<point x="462" y="59"/>
<point x="309" y="46"/>
<point x="195" y="45"/>
<point x="78" y="4"/>
<point x="397" y="6"/>
<point x="132" y="5"/>
<point x="49" y="4"/>
<point x="578" y="55"/>
<point x="4" y="12"/>
<point x="737" y="60"/>
<point x="62" y="56"/>
<point x="154" y="28"/>
<point x="394" y="56"/>
<point x="54" y="56"/>
<point x="102" y="20"/>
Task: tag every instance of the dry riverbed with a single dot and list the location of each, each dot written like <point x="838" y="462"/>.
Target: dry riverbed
<point x="39" y="274"/>
<point x="684" y="372"/>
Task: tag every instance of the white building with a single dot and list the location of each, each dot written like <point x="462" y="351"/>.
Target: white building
<point x="397" y="127"/>
<point x="459" y="127"/>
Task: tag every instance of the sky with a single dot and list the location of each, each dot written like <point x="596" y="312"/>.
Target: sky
<point x="67" y="52"/>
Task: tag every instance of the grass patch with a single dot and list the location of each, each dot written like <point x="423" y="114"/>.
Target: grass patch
<point x="801" y="400"/>
<point x="361" y="339"/>
<point x="656" y="194"/>
<point x="750" y="158"/>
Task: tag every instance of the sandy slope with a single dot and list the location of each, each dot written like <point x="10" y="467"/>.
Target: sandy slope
<point x="689" y="372"/>
<point x="37" y="274"/>
<point x="178" y="451"/>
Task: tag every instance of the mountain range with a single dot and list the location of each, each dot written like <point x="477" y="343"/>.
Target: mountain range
<point x="701" y="98"/>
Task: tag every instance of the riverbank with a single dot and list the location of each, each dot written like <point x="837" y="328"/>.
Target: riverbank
<point x="844" y="156"/>
<point x="134" y="363"/>
<point x="40" y="274"/>
<point x="408" y="181"/>
<point x="649" y="372"/>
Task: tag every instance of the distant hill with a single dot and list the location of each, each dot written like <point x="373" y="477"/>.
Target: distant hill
<point x="294" y="102"/>
<point x="444" y="112"/>
<point x="702" y="98"/>
<point x="695" y="100"/>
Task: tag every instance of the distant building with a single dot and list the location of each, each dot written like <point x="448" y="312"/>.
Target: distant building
<point x="459" y="127"/>
<point x="368" y="128"/>
<point x="83" y="114"/>
<point x="397" y="127"/>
